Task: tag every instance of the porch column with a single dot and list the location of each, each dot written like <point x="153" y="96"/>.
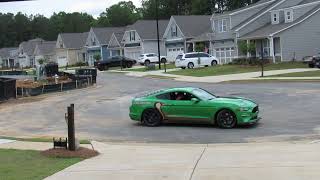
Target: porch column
<point x="194" y="46"/>
<point x="248" y="53"/>
<point x="272" y="49"/>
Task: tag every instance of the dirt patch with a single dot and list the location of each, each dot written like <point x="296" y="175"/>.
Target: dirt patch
<point x="64" y="153"/>
<point x="34" y="84"/>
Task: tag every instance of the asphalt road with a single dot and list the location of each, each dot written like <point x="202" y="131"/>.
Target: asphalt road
<point x="289" y="111"/>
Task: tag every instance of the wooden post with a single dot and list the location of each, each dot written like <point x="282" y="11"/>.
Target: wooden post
<point x="71" y="133"/>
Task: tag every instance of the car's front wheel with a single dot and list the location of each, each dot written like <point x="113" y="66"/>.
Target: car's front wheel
<point x="151" y="118"/>
<point x="226" y="119"/>
<point x="147" y="63"/>
<point x="214" y="63"/>
<point x="129" y="65"/>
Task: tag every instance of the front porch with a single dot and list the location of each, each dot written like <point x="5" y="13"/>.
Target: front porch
<point x="266" y="47"/>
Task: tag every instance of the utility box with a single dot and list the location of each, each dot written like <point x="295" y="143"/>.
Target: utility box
<point x="7" y="88"/>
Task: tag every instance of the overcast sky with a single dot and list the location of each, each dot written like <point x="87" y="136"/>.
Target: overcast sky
<point x="48" y="7"/>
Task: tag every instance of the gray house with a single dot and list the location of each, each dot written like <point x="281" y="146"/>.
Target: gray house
<point x="282" y="30"/>
<point x="98" y="41"/>
<point x="183" y="32"/>
<point x="46" y="51"/>
<point x="141" y="37"/>
<point x="8" y="57"/>
<point x="26" y="52"/>
<point x="70" y="48"/>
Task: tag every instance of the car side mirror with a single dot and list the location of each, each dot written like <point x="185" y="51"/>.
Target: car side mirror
<point x="195" y="100"/>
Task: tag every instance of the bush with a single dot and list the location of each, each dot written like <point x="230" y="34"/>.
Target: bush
<point x="80" y="64"/>
<point x="249" y="61"/>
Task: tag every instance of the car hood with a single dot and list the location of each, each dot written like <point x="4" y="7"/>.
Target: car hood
<point x="243" y="102"/>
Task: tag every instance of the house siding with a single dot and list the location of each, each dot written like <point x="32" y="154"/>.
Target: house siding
<point x="105" y="53"/>
<point x="294" y="44"/>
<point x="151" y="46"/>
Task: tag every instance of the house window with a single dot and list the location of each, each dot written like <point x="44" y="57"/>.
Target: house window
<point x="61" y="45"/>
<point x="288" y="15"/>
<point x="222" y="24"/>
<point x="132" y="35"/>
<point x="275" y="17"/>
<point x="93" y="41"/>
<point x="174" y="31"/>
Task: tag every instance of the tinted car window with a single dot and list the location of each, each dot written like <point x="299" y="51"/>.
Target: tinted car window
<point x="179" y="57"/>
<point x="194" y="55"/>
<point x="150" y="55"/>
<point x="165" y="96"/>
<point x="204" y="55"/>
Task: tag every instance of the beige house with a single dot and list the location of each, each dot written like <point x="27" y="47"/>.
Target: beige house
<point x="70" y="48"/>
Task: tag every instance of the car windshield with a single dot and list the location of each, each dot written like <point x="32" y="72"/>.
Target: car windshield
<point x="202" y="94"/>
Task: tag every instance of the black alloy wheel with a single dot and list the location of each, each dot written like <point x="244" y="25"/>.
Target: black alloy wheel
<point x="226" y="119"/>
<point x="151" y="118"/>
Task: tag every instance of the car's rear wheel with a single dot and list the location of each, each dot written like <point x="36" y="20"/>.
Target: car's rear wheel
<point x="214" y="63"/>
<point x="311" y="65"/>
<point x="151" y="118"/>
<point x="147" y="63"/>
<point x="129" y="65"/>
<point x="226" y="119"/>
<point x="183" y="67"/>
<point x="190" y="65"/>
<point x="163" y="60"/>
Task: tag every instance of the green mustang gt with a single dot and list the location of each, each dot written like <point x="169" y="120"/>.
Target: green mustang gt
<point x="192" y="105"/>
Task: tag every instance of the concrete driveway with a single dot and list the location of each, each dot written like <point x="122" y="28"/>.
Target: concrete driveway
<point x="250" y="161"/>
<point x="289" y="111"/>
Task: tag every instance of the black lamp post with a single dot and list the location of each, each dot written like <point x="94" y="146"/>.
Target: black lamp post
<point x="158" y="36"/>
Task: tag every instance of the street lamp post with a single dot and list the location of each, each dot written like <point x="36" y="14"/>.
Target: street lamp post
<point x="158" y="36"/>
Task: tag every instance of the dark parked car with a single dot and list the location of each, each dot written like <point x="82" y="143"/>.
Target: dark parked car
<point x="116" y="61"/>
<point x="315" y="62"/>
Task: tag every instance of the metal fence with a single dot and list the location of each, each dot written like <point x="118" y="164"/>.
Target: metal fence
<point x="7" y="88"/>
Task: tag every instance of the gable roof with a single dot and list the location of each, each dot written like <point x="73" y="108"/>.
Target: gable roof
<point x="5" y="52"/>
<point x="46" y="47"/>
<point x="104" y="34"/>
<point x="147" y="29"/>
<point x="29" y="46"/>
<point x="272" y="29"/>
<point x="192" y="26"/>
<point x="74" y="40"/>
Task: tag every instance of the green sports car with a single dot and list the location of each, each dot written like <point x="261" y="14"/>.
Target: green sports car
<point x="193" y="105"/>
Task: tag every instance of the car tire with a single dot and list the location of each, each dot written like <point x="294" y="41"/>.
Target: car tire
<point x="105" y="68"/>
<point x="190" y="65"/>
<point x="214" y="63"/>
<point x="183" y="67"/>
<point x="226" y="119"/>
<point x="147" y="62"/>
<point x="129" y="65"/>
<point x="151" y="118"/>
<point x="311" y="65"/>
<point x="163" y="60"/>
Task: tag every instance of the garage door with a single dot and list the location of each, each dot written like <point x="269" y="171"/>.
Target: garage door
<point x="172" y="53"/>
<point x="133" y="53"/>
<point x="62" y="61"/>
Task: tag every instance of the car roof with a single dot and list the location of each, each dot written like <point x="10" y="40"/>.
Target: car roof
<point x="187" y="89"/>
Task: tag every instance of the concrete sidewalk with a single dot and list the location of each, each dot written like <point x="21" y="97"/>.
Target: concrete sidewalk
<point x="221" y="78"/>
<point x="250" y="161"/>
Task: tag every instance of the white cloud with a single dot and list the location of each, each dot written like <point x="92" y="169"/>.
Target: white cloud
<point x="48" y="7"/>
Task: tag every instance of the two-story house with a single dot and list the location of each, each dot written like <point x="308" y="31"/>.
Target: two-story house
<point x="98" y="41"/>
<point x="183" y="32"/>
<point x="70" y="48"/>
<point x="141" y="37"/>
<point x="283" y="30"/>
<point x="26" y="52"/>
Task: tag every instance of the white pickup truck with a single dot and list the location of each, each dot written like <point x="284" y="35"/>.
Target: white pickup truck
<point x="146" y="59"/>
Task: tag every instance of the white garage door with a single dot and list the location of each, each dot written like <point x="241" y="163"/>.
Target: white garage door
<point x="172" y="53"/>
<point x="132" y="53"/>
<point x="62" y="61"/>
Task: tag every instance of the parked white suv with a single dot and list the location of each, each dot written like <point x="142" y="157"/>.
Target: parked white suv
<point x="195" y="60"/>
<point x="146" y="59"/>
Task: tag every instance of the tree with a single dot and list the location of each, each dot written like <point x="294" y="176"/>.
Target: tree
<point x="97" y="57"/>
<point x="121" y="14"/>
<point x="200" y="47"/>
<point x="245" y="47"/>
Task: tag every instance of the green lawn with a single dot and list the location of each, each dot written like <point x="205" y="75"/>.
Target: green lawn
<point x="143" y="69"/>
<point x="235" y="69"/>
<point x="21" y="164"/>
<point x="300" y="74"/>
